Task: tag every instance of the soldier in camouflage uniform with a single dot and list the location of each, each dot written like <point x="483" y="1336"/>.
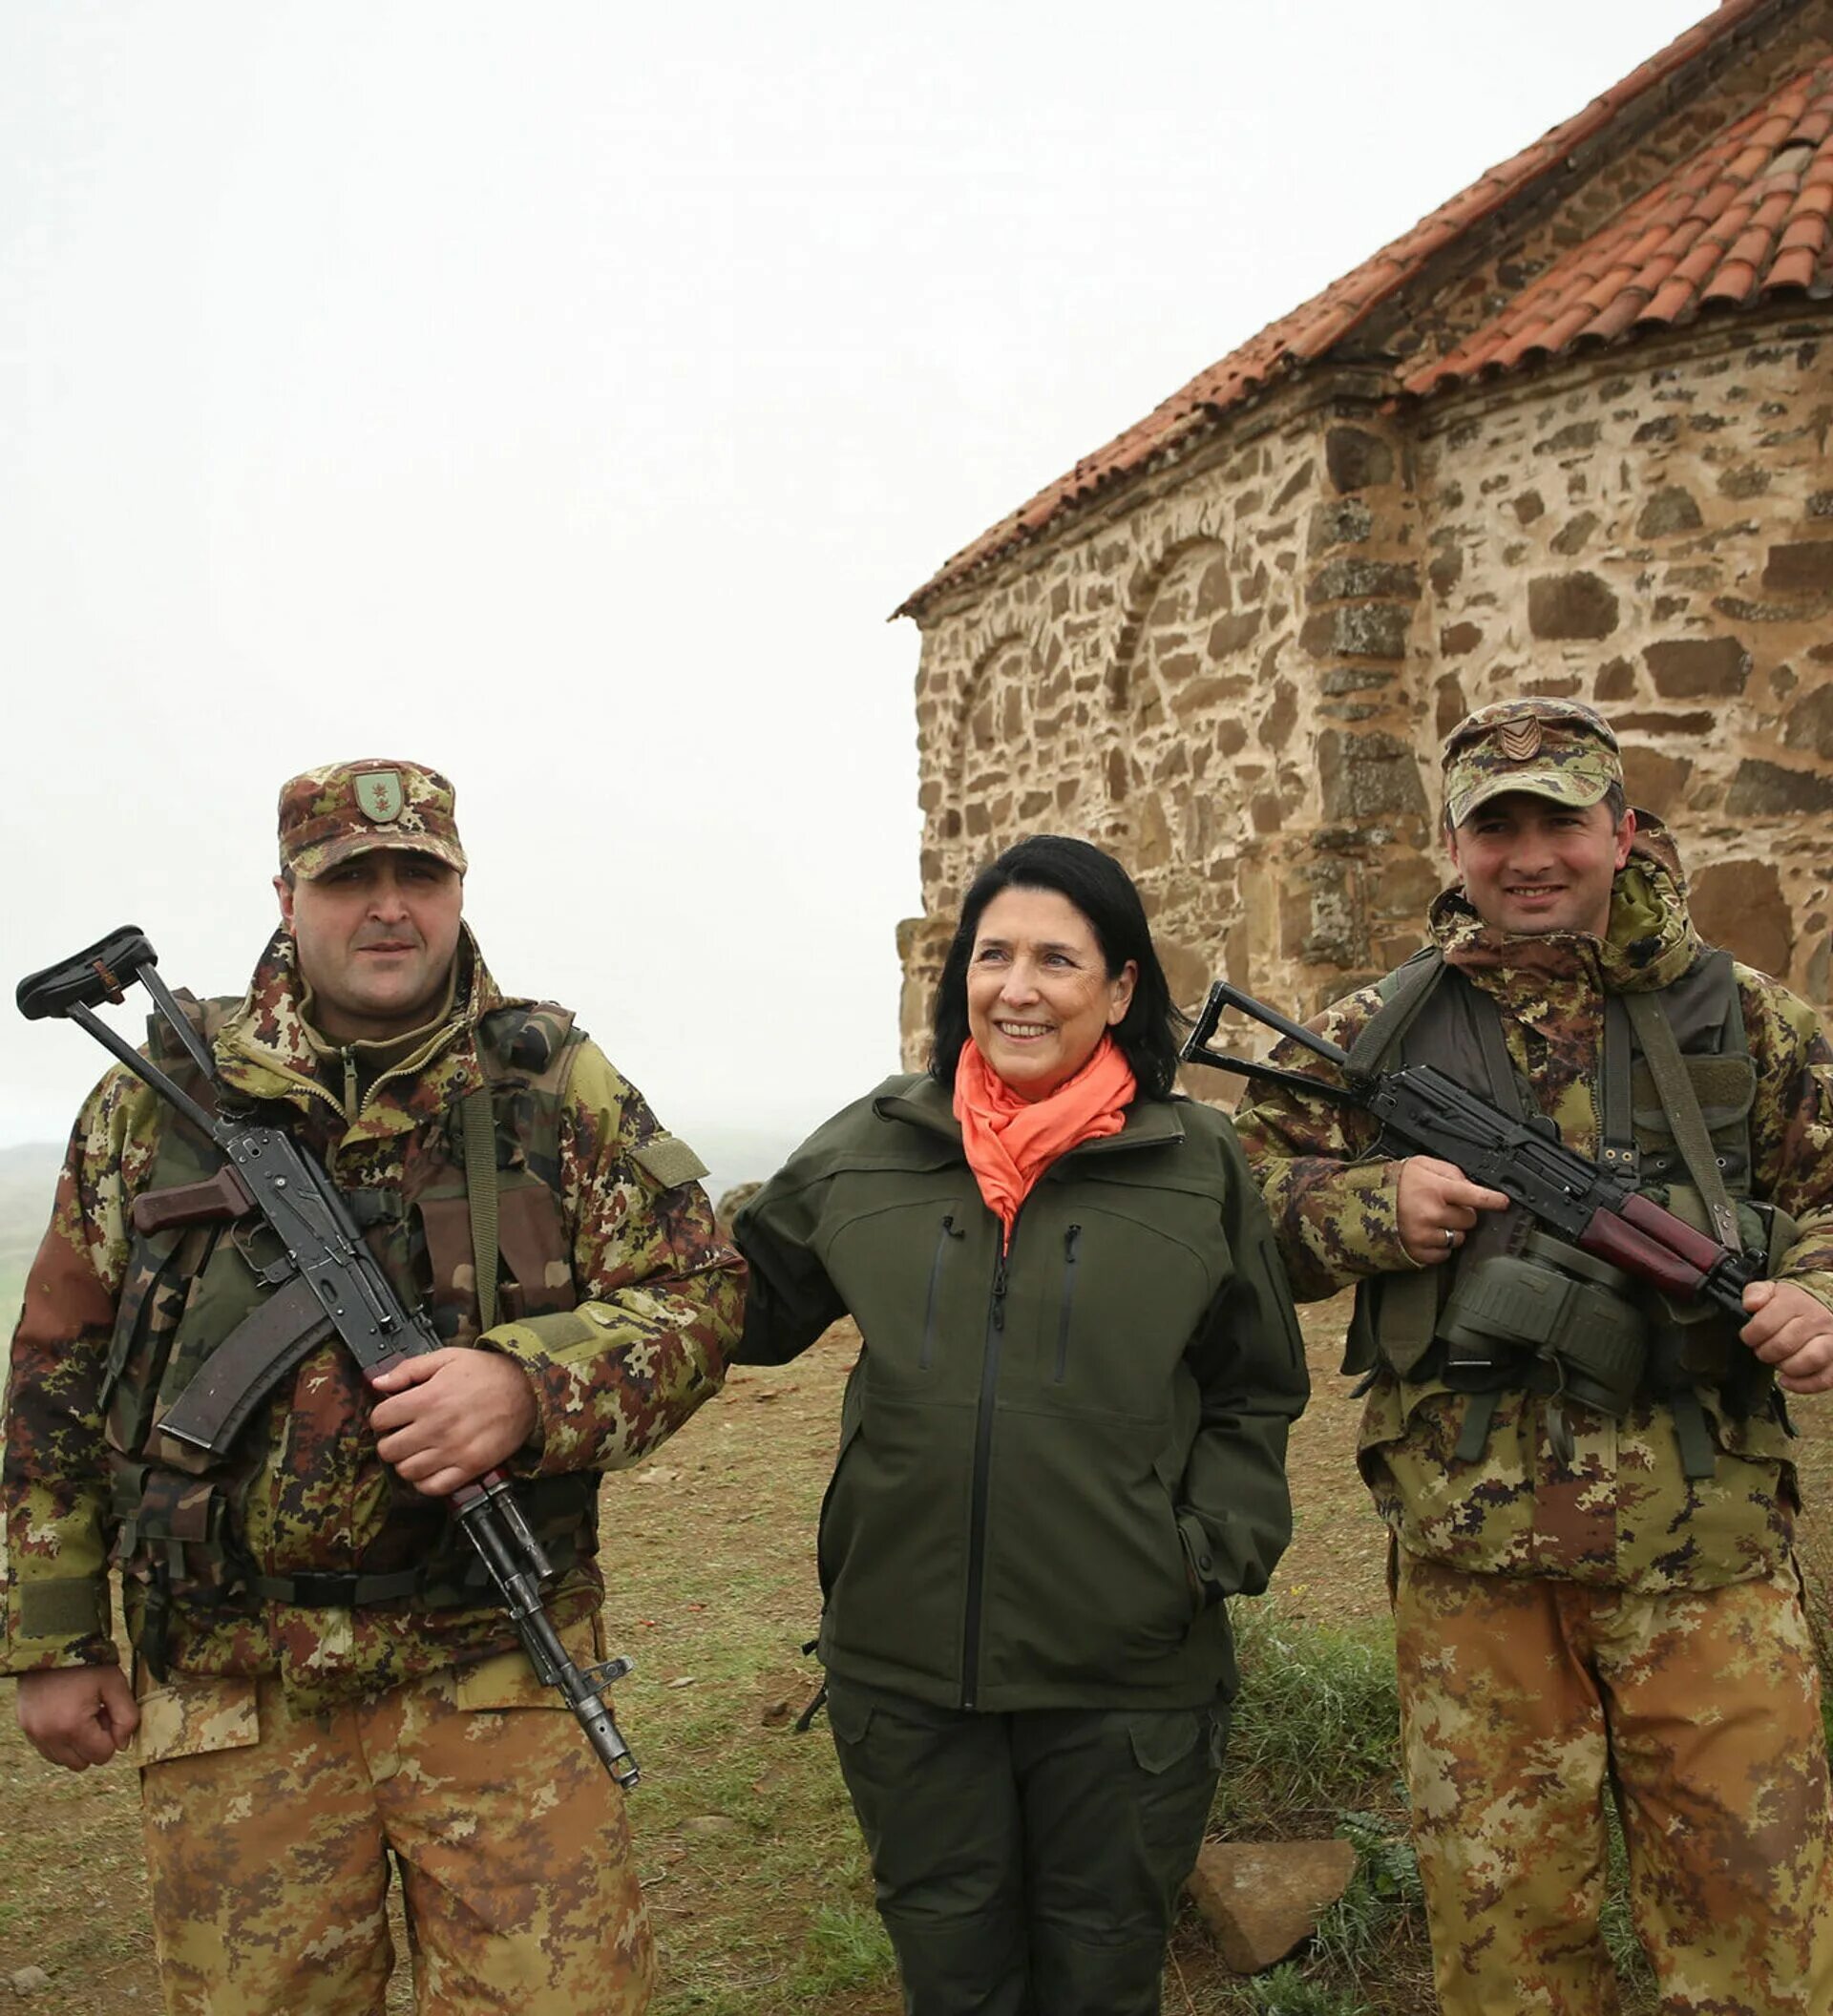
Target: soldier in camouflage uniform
<point x="1588" y="1489"/>
<point x="320" y="1682"/>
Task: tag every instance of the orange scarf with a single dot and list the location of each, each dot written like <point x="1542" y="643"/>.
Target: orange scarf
<point x="1010" y="1142"/>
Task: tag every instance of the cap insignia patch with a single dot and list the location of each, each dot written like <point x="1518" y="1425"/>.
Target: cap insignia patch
<point x="1520" y="738"/>
<point x="378" y="795"/>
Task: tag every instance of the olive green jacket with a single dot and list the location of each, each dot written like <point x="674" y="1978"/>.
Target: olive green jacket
<point x="1053" y="1463"/>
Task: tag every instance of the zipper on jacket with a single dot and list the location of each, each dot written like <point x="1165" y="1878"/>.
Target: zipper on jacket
<point x="982" y="1464"/>
<point x="946" y="1233"/>
<point x="1070" y="1240"/>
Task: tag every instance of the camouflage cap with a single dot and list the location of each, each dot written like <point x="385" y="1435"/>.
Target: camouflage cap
<point x="346" y="808"/>
<point x="1554" y="749"/>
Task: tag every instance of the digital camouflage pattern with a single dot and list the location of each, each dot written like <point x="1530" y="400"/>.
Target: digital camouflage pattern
<point x="267" y="1834"/>
<point x="1508" y="1753"/>
<point x="1620" y="1513"/>
<point x="1554" y="749"/>
<point x="341" y="809"/>
<point x="658" y="1307"/>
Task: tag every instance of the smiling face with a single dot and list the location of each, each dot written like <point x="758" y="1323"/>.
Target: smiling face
<point x="1040" y="996"/>
<point x="1531" y="866"/>
<point x="376" y="935"/>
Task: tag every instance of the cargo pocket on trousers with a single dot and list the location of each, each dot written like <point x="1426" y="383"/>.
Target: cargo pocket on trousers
<point x="849" y="1714"/>
<point x="1162" y="1738"/>
<point x="193" y="1717"/>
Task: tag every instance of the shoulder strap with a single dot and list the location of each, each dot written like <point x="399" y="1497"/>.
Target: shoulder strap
<point x="1680" y="1102"/>
<point x="1404" y="991"/>
<point x="478" y="1118"/>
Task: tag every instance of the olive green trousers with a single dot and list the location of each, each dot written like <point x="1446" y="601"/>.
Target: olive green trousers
<point x="1027" y="1864"/>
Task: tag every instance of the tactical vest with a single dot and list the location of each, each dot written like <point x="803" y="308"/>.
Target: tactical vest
<point x="1518" y="1308"/>
<point x="180" y="1527"/>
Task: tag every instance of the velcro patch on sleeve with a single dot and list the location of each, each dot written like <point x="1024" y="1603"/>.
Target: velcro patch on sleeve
<point x="667" y="1161"/>
<point x="68" y="1607"/>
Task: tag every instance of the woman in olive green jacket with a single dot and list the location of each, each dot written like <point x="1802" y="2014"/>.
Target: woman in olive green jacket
<point x="1061" y="1447"/>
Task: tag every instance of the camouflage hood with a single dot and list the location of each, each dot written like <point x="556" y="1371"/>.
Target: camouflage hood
<point x="1652" y="942"/>
<point x="267" y="1049"/>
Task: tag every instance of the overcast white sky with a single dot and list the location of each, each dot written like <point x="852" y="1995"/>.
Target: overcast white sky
<point x="565" y="394"/>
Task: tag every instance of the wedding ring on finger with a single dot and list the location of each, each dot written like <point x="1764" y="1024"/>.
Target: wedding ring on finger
<point x="1450" y="1240"/>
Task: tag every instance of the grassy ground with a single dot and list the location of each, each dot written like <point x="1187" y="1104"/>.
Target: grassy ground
<point x="751" y="1863"/>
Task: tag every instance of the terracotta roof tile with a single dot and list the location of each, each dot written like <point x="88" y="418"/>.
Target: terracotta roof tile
<point x="1757" y="199"/>
<point x="1316" y="327"/>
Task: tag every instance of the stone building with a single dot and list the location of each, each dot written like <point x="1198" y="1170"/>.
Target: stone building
<point x="1569" y="435"/>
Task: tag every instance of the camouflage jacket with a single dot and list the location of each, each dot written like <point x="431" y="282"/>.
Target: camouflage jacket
<point x="659" y="1302"/>
<point x="1621" y="1513"/>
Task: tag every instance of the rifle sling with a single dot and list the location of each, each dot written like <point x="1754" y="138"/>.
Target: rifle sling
<point x="245" y="1368"/>
<point x="1680" y="1102"/>
<point x="479" y="1128"/>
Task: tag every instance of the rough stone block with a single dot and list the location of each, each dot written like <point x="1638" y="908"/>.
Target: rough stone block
<point x="1366" y="777"/>
<point x="1573" y="538"/>
<point x="1345" y="522"/>
<point x="1616" y="681"/>
<point x="1234" y="633"/>
<point x="1688" y="667"/>
<point x="1807" y="565"/>
<point x="1356" y="459"/>
<point x="1459" y="640"/>
<point x="1339" y="578"/>
<point x="1570" y="606"/>
<point x="1761" y="789"/>
<point x="1261" y="1898"/>
<point x="1656" y="782"/>
<point x="1809" y="724"/>
<point x="1668" y="510"/>
<point x="1357" y="630"/>
<point x="1740" y="906"/>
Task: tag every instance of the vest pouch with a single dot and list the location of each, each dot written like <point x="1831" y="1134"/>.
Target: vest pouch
<point x="161" y="1271"/>
<point x="177" y="1532"/>
<point x="222" y="1293"/>
<point x="1550" y="1304"/>
<point x="1725" y="1086"/>
<point x="1395" y="1321"/>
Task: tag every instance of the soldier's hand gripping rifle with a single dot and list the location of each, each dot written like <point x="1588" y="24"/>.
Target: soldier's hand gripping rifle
<point x="1421" y="1111"/>
<point x="324" y="1262"/>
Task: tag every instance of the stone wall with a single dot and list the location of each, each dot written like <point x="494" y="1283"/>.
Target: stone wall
<point x="1656" y="534"/>
<point x="1236" y="676"/>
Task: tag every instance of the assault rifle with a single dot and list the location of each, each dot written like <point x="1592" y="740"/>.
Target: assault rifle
<point x="324" y="1262"/>
<point x="1421" y="1111"/>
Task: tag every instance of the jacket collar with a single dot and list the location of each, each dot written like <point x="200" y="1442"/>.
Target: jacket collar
<point x="1650" y="944"/>
<point x="267" y="1050"/>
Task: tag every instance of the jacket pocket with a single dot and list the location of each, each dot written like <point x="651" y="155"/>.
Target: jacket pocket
<point x="1066" y="1300"/>
<point x="193" y="1717"/>
<point x="944" y="1238"/>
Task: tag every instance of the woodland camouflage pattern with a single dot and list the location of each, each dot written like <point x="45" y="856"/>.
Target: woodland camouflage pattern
<point x="1621" y="1514"/>
<point x="659" y="1310"/>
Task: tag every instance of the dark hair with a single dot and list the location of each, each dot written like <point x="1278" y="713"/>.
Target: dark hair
<point x="1103" y="892"/>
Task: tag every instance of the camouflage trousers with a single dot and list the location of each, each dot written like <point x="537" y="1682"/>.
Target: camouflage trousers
<point x="269" y="1834"/>
<point x="1521" y="1701"/>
